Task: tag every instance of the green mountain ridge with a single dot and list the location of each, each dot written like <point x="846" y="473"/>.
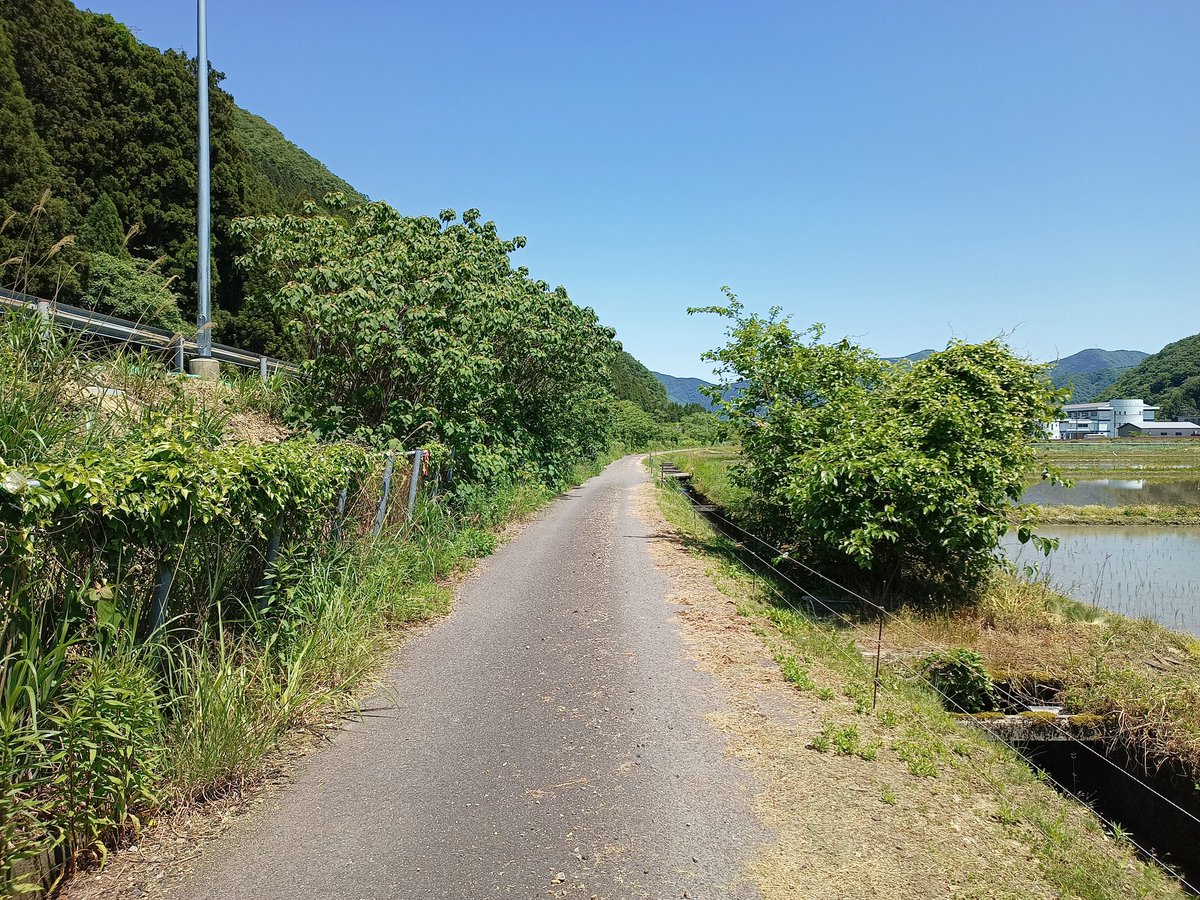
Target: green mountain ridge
<point x="89" y="115"/>
<point x="1088" y="372"/>
<point x="1092" y="371"/>
<point x="1169" y="379"/>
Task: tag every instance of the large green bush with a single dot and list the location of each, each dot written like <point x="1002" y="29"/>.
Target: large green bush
<point x="420" y="330"/>
<point x="905" y="472"/>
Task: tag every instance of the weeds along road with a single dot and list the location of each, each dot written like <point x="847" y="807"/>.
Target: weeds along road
<point x="547" y="739"/>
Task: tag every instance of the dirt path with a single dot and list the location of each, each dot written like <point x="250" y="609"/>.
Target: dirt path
<point x="548" y="739"/>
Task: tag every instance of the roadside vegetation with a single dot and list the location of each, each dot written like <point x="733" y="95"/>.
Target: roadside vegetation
<point x="897" y="478"/>
<point x="155" y="648"/>
<point x="1140" y="679"/>
<point x="960" y="811"/>
<point x="192" y="570"/>
<point x="887" y="501"/>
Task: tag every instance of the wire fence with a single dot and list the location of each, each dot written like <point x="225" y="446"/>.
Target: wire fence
<point x="709" y="511"/>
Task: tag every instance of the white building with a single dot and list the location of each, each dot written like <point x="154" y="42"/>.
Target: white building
<point x="1103" y="419"/>
<point x="1161" y="429"/>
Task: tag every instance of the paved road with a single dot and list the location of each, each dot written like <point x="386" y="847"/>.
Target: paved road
<point x="550" y="726"/>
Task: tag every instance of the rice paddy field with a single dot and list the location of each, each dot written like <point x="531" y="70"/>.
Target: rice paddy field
<point x="1151" y="459"/>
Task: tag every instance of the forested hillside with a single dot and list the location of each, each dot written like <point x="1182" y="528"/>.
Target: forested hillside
<point x="1169" y="378"/>
<point x="634" y="382"/>
<point x="685" y="390"/>
<point x="98" y="140"/>
<point x="1089" y="372"/>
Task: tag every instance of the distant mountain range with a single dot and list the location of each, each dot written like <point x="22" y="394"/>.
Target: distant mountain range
<point x="1089" y="373"/>
<point x="685" y="390"/>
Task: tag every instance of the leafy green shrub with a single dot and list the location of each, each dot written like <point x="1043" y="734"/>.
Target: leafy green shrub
<point x="961" y="679"/>
<point x="420" y="330"/>
<point x="907" y="473"/>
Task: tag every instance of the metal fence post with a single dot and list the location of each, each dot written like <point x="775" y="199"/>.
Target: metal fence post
<point x="413" y="483"/>
<point x="341" y="514"/>
<point x="387" y="486"/>
<point x="158" y="614"/>
<point x="179" y="353"/>
<point x="43" y="308"/>
<point x="262" y="368"/>
<point x="268" y="573"/>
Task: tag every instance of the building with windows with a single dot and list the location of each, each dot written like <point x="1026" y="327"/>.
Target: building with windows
<point x="1105" y="418"/>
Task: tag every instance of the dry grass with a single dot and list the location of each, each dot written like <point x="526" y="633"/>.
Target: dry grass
<point x="902" y="803"/>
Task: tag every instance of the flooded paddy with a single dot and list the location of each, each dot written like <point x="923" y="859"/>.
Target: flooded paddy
<point x="1138" y="571"/>
<point x="1115" y="492"/>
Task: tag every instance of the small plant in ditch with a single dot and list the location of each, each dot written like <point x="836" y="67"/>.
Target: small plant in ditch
<point x="961" y="679"/>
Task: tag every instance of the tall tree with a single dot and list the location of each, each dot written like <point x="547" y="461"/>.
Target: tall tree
<point x="101" y="231"/>
<point x="33" y="213"/>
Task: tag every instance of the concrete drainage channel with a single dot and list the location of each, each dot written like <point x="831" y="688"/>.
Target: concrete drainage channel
<point x="1158" y="808"/>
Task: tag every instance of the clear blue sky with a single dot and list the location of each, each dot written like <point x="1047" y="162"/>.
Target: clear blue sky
<point x="904" y="172"/>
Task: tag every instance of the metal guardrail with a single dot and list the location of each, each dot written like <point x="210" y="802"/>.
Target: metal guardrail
<point x="90" y="322"/>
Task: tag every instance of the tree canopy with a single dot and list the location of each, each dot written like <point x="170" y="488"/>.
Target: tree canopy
<point x="905" y="472"/>
<point x="419" y="329"/>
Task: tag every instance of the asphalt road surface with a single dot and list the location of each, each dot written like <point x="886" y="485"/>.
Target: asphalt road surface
<point x="546" y="739"/>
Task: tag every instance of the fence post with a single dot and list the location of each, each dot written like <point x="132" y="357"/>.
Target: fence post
<point x="387" y="486"/>
<point x="878" y="654"/>
<point x="268" y="572"/>
<point x="158" y="614"/>
<point x="43" y="308"/>
<point x="341" y="514"/>
<point x="418" y="456"/>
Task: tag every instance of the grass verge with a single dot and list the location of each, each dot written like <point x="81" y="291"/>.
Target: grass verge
<point x="1155" y="458"/>
<point x="1124" y="516"/>
<point x="1142" y="678"/>
<point x="935" y="808"/>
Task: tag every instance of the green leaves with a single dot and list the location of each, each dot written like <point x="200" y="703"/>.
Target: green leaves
<point x="905" y="472"/>
<point x="419" y="330"/>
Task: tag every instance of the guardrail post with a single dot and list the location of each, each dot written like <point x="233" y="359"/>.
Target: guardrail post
<point x="387" y="486"/>
<point x="179" y="353"/>
<point x="262" y="368"/>
<point x="414" y="482"/>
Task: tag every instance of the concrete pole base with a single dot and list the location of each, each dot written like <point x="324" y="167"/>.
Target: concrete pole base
<point x="206" y="368"/>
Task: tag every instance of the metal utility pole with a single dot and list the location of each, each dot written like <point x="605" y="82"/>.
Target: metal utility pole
<point x="206" y="366"/>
